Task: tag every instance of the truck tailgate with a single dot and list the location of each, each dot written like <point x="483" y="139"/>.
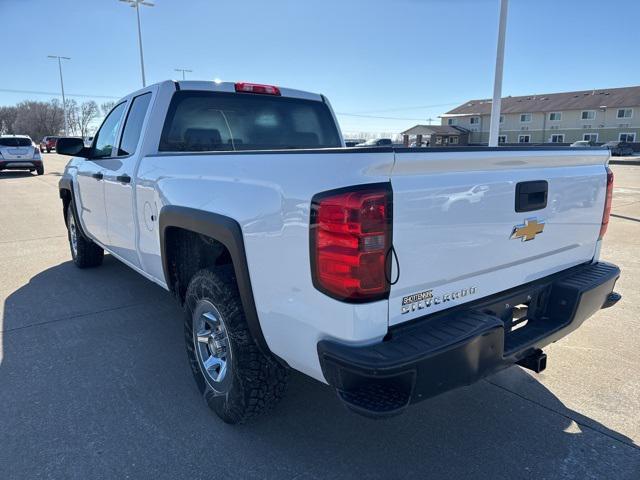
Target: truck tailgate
<point x="457" y="234"/>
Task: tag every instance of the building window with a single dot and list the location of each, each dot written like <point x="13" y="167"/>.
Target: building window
<point x="501" y="118"/>
<point x="453" y="140"/>
<point x="524" y="138"/>
<point x="502" y="139"/>
<point x="438" y="140"/>
<point x="555" y="116"/>
<point x="625" y="112"/>
<point x="590" y="137"/>
<point x="588" y="115"/>
<point x="557" y="138"/>
<point x="474" y="120"/>
<point x="525" y="117"/>
<point x="627" y="137"/>
<point x="451" y="121"/>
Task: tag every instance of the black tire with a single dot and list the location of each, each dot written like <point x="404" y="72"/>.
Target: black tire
<point x="254" y="383"/>
<point x="86" y="254"/>
<point x="40" y="170"/>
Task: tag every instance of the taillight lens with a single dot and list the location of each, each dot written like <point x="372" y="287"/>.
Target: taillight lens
<point x="350" y="239"/>
<point x="244" y="87"/>
<point x="607" y="204"/>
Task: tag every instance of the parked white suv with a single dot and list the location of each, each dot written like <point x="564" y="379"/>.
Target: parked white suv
<point x="18" y="152"/>
<point x="391" y="274"/>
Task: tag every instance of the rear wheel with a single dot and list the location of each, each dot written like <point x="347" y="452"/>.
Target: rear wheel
<point x="84" y="252"/>
<point x="48" y="150"/>
<point x="40" y="170"/>
<point x="237" y="381"/>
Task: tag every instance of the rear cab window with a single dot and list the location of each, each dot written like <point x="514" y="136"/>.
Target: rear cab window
<point x="215" y="121"/>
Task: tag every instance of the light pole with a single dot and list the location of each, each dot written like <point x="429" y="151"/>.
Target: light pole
<point x="183" y="70"/>
<point x="136" y="4"/>
<point x="494" y="126"/>
<point x="64" y="102"/>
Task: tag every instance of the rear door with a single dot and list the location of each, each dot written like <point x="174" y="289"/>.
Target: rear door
<point x="460" y="230"/>
<point x="90" y="177"/>
<point x="119" y="182"/>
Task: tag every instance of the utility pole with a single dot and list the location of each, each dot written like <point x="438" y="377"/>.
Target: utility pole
<point x="136" y="4"/>
<point x="64" y="101"/>
<point x="494" y="127"/>
<point x="183" y="70"/>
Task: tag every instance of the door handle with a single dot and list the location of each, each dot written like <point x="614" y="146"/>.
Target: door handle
<point x="531" y="196"/>
<point x="123" y="178"/>
<point x="97" y="176"/>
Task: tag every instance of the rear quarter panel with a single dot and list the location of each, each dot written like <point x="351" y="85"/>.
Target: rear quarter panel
<point x="269" y="195"/>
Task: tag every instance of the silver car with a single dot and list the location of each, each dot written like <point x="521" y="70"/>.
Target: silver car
<point x="18" y="152"/>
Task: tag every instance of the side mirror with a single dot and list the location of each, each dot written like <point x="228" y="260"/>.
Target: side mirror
<point x="72" y="146"/>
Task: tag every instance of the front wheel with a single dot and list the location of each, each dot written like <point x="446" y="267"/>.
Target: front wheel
<point x="84" y="252"/>
<point x="40" y="170"/>
<point x="237" y="380"/>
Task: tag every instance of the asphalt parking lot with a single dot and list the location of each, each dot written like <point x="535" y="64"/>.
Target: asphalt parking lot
<point x="94" y="381"/>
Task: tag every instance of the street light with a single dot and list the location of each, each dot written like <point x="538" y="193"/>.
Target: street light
<point x="136" y="4"/>
<point x="183" y="70"/>
<point x="494" y="126"/>
<point x="64" y="102"/>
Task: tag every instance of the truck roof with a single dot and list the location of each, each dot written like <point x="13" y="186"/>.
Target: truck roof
<point x="230" y="87"/>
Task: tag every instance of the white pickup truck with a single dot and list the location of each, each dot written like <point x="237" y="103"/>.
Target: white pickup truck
<point x="393" y="275"/>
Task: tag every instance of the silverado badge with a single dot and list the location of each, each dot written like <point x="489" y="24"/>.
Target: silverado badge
<point x="528" y="230"/>
<point x="421" y="300"/>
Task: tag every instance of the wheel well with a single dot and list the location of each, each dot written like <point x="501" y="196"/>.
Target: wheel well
<point x="65" y="195"/>
<point x="188" y="252"/>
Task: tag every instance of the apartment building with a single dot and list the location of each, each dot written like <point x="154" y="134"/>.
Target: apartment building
<point x="599" y="115"/>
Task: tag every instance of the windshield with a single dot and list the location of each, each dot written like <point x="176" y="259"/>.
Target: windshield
<point x="15" y="142"/>
<point x="206" y="121"/>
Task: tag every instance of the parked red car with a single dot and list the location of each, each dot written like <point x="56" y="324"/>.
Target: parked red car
<point x="48" y="144"/>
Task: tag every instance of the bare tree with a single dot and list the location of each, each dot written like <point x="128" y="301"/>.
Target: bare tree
<point x="7" y="119"/>
<point x="73" y="117"/>
<point x="106" y="107"/>
<point x="38" y="119"/>
<point x="88" y="113"/>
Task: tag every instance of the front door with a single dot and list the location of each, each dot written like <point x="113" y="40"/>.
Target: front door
<point x="119" y="183"/>
<point x="90" y="178"/>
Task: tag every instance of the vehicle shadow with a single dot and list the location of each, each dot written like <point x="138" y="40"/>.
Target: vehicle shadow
<point x="94" y="382"/>
<point x="15" y="174"/>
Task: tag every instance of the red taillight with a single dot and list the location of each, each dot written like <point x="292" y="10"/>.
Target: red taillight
<point x="607" y="204"/>
<point x="350" y="240"/>
<point x="243" y="87"/>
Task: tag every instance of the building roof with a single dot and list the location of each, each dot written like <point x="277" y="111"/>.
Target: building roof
<point x="551" y="102"/>
<point x="434" y="129"/>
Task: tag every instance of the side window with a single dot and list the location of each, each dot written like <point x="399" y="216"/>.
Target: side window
<point x="106" y="136"/>
<point x="133" y="124"/>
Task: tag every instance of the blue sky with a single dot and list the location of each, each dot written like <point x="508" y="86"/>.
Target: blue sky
<point x="381" y="58"/>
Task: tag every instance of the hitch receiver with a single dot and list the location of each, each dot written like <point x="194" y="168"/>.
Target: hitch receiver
<point x="537" y="361"/>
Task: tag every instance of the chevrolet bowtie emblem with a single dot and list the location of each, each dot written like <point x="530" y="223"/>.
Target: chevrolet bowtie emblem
<point x="528" y="230"/>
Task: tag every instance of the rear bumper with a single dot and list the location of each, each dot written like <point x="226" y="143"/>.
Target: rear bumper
<point x="19" y="164"/>
<point x="460" y="346"/>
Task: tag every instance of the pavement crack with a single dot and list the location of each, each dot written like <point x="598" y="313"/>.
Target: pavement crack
<point x="31" y="239"/>
<point x="72" y="317"/>
<point x="568" y="417"/>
